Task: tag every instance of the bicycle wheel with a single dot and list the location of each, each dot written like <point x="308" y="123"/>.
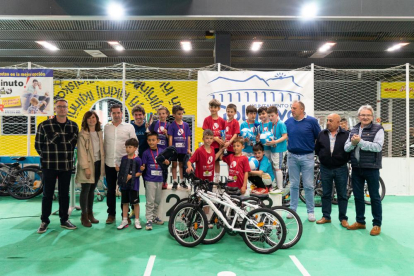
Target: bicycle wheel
<point x="294" y="227"/>
<point x="170" y="221"/>
<point x="3" y="182"/>
<point x="28" y="184"/>
<point x="189" y="225"/>
<point x="381" y="191"/>
<point x="269" y="231"/>
<point x="215" y="231"/>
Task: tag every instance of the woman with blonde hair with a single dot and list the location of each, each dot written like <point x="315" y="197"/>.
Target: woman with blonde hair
<point x="90" y="165"/>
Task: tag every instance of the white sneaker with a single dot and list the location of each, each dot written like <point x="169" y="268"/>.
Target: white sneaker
<point x="311" y="217"/>
<point x="123" y="225"/>
<point x="289" y="216"/>
<point x="138" y="224"/>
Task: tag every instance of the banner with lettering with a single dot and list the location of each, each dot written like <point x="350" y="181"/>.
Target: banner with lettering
<point x="26" y="92"/>
<point x="396" y="90"/>
<point x="243" y="88"/>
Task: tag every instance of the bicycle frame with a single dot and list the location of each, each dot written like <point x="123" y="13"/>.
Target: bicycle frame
<point x="210" y="197"/>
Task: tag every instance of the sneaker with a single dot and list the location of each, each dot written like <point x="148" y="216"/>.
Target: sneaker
<point x="165" y="186"/>
<point x="42" y="228"/>
<point x="175" y="185"/>
<point x="68" y="225"/>
<point x="138" y="224"/>
<point x="148" y="225"/>
<point x="260" y="191"/>
<point x="311" y="217"/>
<point x="183" y="185"/>
<point x="289" y="216"/>
<point x="123" y="225"/>
<point x="158" y="221"/>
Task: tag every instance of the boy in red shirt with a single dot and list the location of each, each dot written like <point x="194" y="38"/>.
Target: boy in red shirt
<point x="239" y="167"/>
<point x="215" y="124"/>
<point x="204" y="157"/>
<point x="232" y="128"/>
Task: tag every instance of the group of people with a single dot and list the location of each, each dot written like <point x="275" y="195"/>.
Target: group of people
<point x="124" y="152"/>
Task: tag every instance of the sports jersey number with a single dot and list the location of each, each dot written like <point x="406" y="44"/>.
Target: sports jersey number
<point x="177" y="198"/>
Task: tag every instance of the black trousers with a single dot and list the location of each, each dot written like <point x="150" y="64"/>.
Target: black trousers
<point x="49" y="183"/>
<point x="111" y="179"/>
<point x="257" y="181"/>
<point x="88" y="191"/>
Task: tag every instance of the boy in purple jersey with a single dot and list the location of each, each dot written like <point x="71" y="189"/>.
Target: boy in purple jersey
<point x="161" y="127"/>
<point x="179" y="137"/>
<point x="153" y="180"/>
<point x="128" y="182"/>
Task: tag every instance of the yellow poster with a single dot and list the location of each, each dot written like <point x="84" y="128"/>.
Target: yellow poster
<point x="396" y="90"/>
<point x="82" y="95"/>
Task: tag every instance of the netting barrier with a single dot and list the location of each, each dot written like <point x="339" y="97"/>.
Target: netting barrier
<point x="340" y="91"/>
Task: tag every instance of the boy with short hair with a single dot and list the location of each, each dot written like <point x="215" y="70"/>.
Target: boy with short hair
<point x="265" y="125"/>
<point x="215" y="123"/>
<point x="128" y="182"/>
<point x="239" y="167"/>
<point x="232" y="128"/>
<point x="161" y="127"/>
<point x="256" y="177"/>
<point x="204" y="157"/>
<point x="179" y="135"/>
<point x="278" y="146"/>
<point x="252" y="124"/>
<point x="153" y="180"/>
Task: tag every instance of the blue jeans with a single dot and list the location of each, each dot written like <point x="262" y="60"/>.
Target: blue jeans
<point x="340" y="176"/>
<point x="304" y="164"/>
<point x="371" y="176"/>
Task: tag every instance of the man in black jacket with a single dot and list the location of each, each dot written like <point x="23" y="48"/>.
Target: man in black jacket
<point x="55" y="143"/>
<point x="333" y="158"/>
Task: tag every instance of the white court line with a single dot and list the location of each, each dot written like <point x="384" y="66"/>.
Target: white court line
<point x="150" y="264"/>
<point x="299" y="265"/>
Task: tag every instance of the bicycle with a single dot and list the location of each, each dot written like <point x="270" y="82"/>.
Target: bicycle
<point x="20" y="183"/>
<point x="262" y="229"/>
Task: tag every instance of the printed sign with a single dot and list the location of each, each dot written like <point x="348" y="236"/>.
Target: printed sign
<point x="245" y="88"/>
<point x="26" y="92"/>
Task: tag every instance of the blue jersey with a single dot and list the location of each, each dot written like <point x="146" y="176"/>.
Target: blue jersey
<point x="277" y="131"/>
<point x="266" y="167"/>
<point x="262" y="128"/>
<point x="248" y="147"/>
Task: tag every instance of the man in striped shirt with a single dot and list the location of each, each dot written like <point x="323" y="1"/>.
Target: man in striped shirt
<point x="55" y="143"/>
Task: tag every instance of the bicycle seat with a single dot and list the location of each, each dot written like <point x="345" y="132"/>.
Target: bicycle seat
<point x="19" y="159"/>
<point x="10" y="165"/>
<point x="233" y="191"/>
<point x="261" y="197"/>
<point x="244" y="198"/>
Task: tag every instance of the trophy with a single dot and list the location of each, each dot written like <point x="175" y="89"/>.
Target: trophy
<point x="148" y="119"/>
<point x="223" y="136"/>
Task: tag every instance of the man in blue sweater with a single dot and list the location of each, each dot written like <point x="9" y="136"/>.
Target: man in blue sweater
<point x="302" y="132"/>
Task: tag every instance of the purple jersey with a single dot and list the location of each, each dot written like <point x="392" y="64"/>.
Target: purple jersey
<point x="153" y="171"/>
<point x="159" y="127"/>
<point x="180" y="134"/>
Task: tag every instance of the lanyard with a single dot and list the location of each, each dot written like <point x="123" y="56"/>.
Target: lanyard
<point x="249" y="125"/>
<point x="180" y="128"/>
<point x="273" y="128"/>
<point x="159" y="125"/>
<point x="153" y="158"/>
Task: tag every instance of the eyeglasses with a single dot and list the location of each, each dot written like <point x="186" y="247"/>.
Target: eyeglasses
<point x="364" y="115"/>
<point x="62" y="106"/>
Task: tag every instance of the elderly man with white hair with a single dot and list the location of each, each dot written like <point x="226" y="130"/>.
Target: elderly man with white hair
<point x="365" y="144"/>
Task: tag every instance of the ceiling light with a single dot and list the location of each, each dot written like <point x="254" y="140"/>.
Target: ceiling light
<point x="256" y="45"/>
<point x="397" y="47"/>
<point x="95" y="53"/>
<point x="115" y="11"/>
<point x="116" y="45"/>
<point x="325" y="47"/>
<point x="47" y="45"/>
<point x="186" y="46"/>
<point x="309" y="11"/>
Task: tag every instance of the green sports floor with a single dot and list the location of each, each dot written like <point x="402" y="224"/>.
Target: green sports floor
<point x="104" y="250"/>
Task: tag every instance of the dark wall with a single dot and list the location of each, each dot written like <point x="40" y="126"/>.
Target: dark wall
<point x="209" y="7"/>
